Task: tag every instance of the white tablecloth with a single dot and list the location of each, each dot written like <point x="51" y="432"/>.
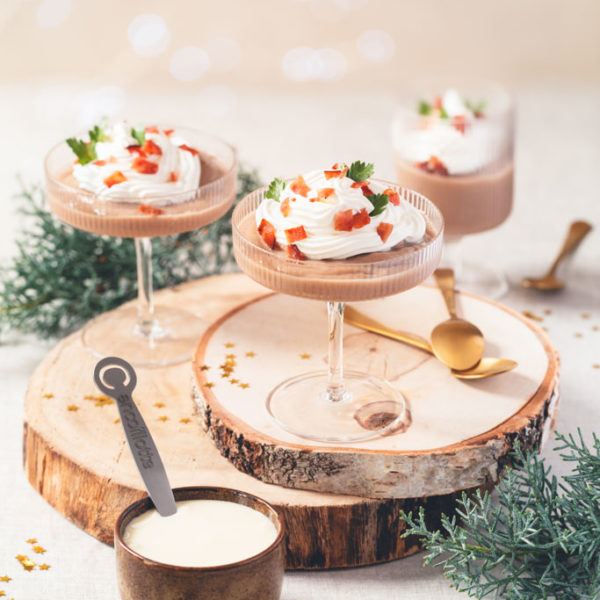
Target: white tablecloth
<point x="558" y="180"/>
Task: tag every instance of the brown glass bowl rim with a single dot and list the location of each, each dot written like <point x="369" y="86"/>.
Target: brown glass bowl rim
<point x="234" y="493"/>
<point x="86" y="193"/>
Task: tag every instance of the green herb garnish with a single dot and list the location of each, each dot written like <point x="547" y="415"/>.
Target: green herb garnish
<point x="360" y="171"/>
<point x="379" y="202"/>
<point x="86" y="151"/>
<point x="443" y="113"/>
<point x="275" y="188"/>
<point x="476" y="108"/>
<point x="139" y="135"/>
<point x="425" y="108"/>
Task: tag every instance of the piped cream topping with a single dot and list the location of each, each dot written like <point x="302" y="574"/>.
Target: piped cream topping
<point x="331" y="218"/>
<point x="127" y="172"/>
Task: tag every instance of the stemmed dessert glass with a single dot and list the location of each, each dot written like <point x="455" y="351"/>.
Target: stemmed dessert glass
<point x="334" y="405"/>
<point x="146" y="335"/>
<point x="478" y="195"/>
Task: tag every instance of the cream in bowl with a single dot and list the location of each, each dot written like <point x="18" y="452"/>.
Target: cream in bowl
<point x="221" y="543"/>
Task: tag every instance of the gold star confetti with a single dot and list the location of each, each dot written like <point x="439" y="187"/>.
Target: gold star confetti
<point x="595" y="328"/>
<point x="89" y="397"/>
<point x="163" y="418"/>
<point x="244" y="385"/>
<point x="185" y="420"/>
<point x="117" y="420"/>
<point x="48" y="396"/>
<point x="225" y="375"/>
<point x="209" y="384"/>
<point x="578" y="335"/>
<point x="548" y="311"/>
<point x="234" y="381"/>
<point x="230" y="356"/>
<point x="73" y="407"/>
<point x="5" y="578"/>
<point x="102" y="400"/>
<point x="596" y="366"/>
<point x="305" y="356"/>
<point x="39" y="549"/>
<point x="159" y="404"/>
<point x="44" y="567"/>
<point x="229" y="345"/>
<point x="31" y="541"/>
<point x="585" y="315"/>
<point x="250" y="354"/>
<point x="204" y="368"/>
<point x="2" y="593"/>
<point x="26" y="562"/>
<point x="532" y="316"/>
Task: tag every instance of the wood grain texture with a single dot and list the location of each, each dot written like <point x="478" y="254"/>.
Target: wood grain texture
<point x="460" y="453"/>
<point x="77" y="459"/>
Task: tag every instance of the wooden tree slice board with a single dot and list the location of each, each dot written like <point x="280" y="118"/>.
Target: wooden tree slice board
<point x="461" y="431"/>
<point x="77" y="459"/>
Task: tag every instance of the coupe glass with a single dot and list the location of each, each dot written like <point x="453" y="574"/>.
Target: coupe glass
<point x="146" y="335"/>
<point x="476" y="200"/>
<point x="333" y="405"/>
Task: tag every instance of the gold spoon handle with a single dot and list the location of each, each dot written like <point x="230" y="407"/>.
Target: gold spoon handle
<point x="577" y="231"/>
<point x="445" y="280"/>
<point x="358" y="319"/>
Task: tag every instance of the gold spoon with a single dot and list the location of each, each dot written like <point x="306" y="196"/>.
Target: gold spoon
<point x="457" y="343"/>
<point x="486" y="367"/>
<point x="549" y="283"/>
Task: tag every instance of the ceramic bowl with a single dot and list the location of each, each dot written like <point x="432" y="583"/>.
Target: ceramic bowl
<point x="259" y="577"/>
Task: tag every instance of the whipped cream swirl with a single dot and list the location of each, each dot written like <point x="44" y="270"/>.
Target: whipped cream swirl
<point x="173" y="169"/>
<point x="463" y="146"/>
<point x="318" y="218"/>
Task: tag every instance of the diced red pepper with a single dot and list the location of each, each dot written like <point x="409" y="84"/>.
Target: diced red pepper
<point x="384" y="230"/>
<point x="459" y="122"/>
<point x="151" y="211"/>
<point x="189" y="149"/>
<point x="364" y="185"/>
<point x="152" y="129"/>
<point x="267" y="233"/>
<point x="298" y="186"/>
<point x="137" y="149"/>
<point x="168" y="132"/>
<point x="100" y="163"/>
<point x="360" y="219"/>
<point x="150" y="147"/>
<point x="173" y="177"/>
<point x="437" y="103"/>
<point x="146" y="167"/>
<point x="478" y="114"/>
<point x="114" y="178"/>
<point x="336" y="173"/>
<point x="295" y="234"/>
<point x="324" y="193"/>
<point x="343" y="220"/>
<point x="434" y="165"/>
<point x="293" y="252"/>
<point x="285" y="207"/>
<point x="393" y="196"/>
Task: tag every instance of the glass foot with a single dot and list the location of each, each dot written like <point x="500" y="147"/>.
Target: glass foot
<point x="367" y="407"/>
<point x="481" y="279"/>
<point x="171" y="339"/>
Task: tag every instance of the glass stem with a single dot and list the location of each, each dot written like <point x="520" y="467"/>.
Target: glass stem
<point x="335" y="374"/>
<point x="146" y="323"/>
<point x="452" y="255"/>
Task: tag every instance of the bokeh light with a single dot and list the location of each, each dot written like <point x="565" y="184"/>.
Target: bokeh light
<point x="189" y="63"/>
<point x="376" y="45"/>
<point x="92" y="105"/>
<point x="51" y="13"/>
<point x="148" y="35"/>
<point x="304" y="63"/>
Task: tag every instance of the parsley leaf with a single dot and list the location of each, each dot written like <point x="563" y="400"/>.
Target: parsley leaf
<point x="379" y="202"/>
<point x="275" y="188"/>
<point x="85" y="152"/>
<point x="139" y="135"/>
<point x="443" y="113"/>
<point x="424" y="108"/>
<point x="476" y="108"/>
<point x="360" y="171"/>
